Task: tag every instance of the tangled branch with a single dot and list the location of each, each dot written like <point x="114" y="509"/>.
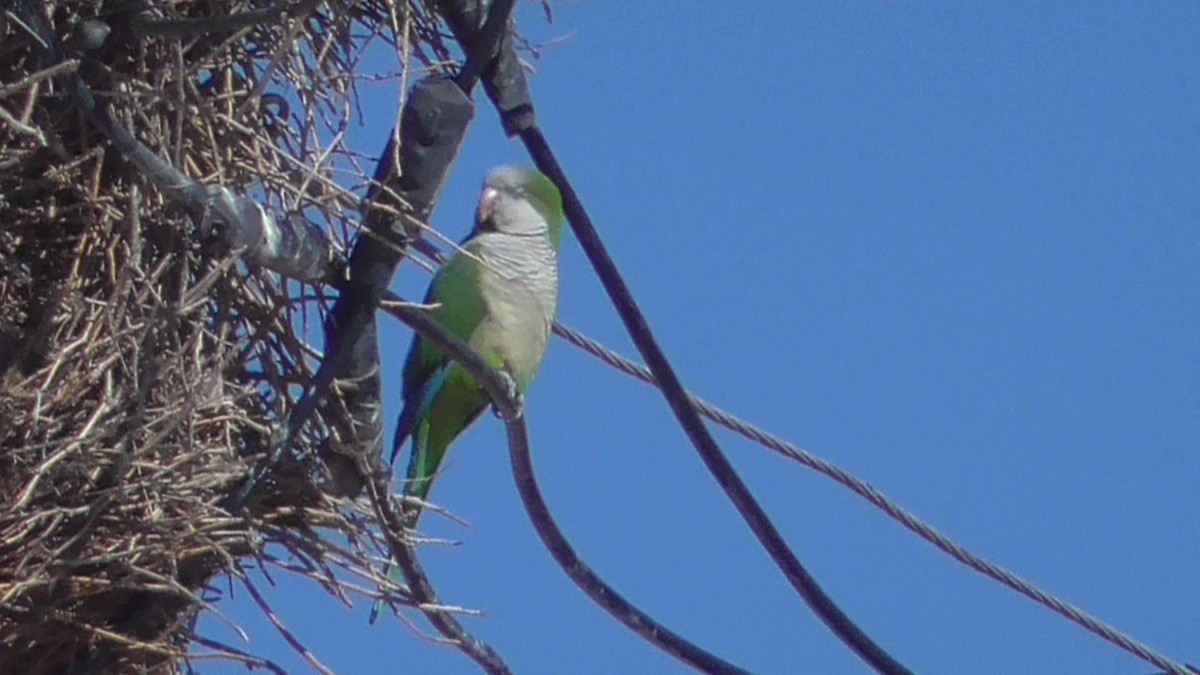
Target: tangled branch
<point x="149" y="367"/>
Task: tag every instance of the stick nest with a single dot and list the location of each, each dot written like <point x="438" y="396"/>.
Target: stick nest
<point x="139" y="376"/>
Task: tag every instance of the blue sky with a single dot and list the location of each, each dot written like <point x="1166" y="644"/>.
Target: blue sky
<point x="953" y="250"/>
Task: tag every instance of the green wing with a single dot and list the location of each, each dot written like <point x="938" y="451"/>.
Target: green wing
<point x="456" y="287"/>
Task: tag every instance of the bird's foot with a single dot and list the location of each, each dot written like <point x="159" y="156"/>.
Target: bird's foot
<point x="512" y="394"/>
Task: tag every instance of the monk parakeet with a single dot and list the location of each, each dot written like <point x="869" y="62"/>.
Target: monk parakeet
<point x="499" y="295"/>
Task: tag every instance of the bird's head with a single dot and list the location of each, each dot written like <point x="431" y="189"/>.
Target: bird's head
<point x="520" y="201"/>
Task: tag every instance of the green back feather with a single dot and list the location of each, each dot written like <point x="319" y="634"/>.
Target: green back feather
<point x="456" y="287"/>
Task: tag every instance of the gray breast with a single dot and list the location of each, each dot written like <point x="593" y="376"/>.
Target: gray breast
<point x="519" y="280"/>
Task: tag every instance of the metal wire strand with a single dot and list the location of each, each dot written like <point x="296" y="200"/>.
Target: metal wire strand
<point x="885" y="504"/>
<point x="710" y="453"/>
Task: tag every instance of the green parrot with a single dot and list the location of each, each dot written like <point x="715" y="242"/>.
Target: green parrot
<point x="499" y="295"/>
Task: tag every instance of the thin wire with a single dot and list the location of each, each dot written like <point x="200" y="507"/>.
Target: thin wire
<point x="883" y="503"/>
<point x="583" y="576"/>
<point x="863" y="489"/>
<point x="502" y="392"/>
<point x="689" y="420"/>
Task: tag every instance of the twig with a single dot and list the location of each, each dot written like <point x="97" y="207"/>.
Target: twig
<point x="46" y="73"/>
<point x="232" y="653"/>
<point x="282" y="629"/>
<point x="293" y="248"/>
<point x="389" y="513"/>
<point x="220" y="24"/>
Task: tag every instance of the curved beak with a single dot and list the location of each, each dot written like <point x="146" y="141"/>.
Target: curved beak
<point x="487" y="205"/>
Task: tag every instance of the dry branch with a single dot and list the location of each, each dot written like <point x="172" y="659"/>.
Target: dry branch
<point x="140" y="373"/>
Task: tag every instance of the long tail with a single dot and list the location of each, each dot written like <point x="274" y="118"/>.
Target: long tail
<point x="410" y="510"/>
<point x="432" y="431"/>
<point x="404" y="429"/>
<point x="417" y="483"/>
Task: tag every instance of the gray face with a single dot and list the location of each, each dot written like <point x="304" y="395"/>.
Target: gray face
<point x="507" y="205"/>
<point x="513" y="178"/>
